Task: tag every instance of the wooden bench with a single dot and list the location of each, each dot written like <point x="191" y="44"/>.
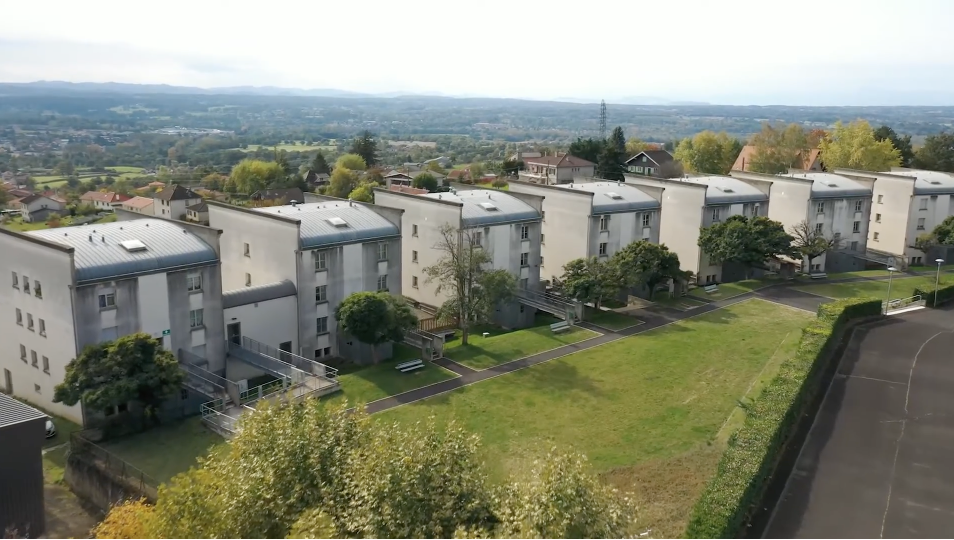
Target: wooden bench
<point x="818" y="275"/>
<point x="709" y="289"/>
<point x="558" y="327"/>
<point x="409" y="366"/>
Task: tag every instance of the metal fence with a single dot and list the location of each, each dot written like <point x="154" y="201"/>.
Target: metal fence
<point x="300" y="362"/>
<point x="139" y="483"/>
<point x="902" y="303"/>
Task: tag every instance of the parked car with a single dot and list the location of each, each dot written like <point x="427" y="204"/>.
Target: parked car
<point x="50" y="429"/>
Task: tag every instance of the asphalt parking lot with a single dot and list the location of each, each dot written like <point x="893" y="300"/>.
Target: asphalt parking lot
<point x="879" y="460"/>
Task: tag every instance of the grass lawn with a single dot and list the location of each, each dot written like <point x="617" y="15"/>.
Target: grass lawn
<point x="646" y="410"/>
<point x="727" y="290"/>
<point x="166" y="450"/>
<point x="364" y="384"/>
<point x="681" y="303"/>
<point x="901" y="287"/>
<point x="17" y="224"/>
<point x="503" y="346"/>
<point x="609" y="319"/>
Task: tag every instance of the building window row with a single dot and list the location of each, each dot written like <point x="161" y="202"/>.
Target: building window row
<point x="37" y="287"/>
<point x="29" y="322"/>
<point x="33" y="359"/>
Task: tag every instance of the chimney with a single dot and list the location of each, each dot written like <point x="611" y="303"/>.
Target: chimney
<point x="104" y="239"/>
<point x="90" y="238"/>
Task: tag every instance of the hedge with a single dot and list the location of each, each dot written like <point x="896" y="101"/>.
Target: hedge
<point x="750" y="459"/>
<point x="944" y="294"/>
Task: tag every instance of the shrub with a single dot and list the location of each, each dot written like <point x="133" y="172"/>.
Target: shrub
<point x="750" y="460"/>
<point x="944" y="294"/>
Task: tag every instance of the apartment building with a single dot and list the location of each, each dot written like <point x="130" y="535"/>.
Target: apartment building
<point x="837" y="206"/>
<point x="691" y="203"/>
<point x="35" y="208"/>
<point x="592" y="219"/>
<point x="327" y="250"/>
<point x="906" y="204"/>
<point x="172" y="202"/>
<point x="559" y="169"/>
<point x="505" y="224"/>
<point x="72" y="287"/>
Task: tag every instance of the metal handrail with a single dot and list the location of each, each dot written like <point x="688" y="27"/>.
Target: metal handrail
<point x="899" y="303"/>
<point x="300" y="362"/>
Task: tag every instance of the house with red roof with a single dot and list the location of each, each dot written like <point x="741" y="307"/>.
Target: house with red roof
<point x="103" y="201"/>
<point x="558" y="169"/>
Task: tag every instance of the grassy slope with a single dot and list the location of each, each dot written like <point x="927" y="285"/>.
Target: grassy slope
<point x="500" y="347"/>
<point x="901" y="287"/>
<point x="166" y="450"/>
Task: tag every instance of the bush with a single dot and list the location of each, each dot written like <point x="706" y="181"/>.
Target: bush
<point x="749" y="462"/>
<point x="944" y="294"/>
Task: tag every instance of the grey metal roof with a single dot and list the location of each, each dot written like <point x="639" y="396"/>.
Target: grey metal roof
<point x="504" y="208"/>
<point x="830" y="186"/>
<point x="260" y="293"/>
<point x="727" y="190"/>
<point x="168" y="246"/>
<point x="361" y="222"/>
<point x="612" y="198"/>
<point x="16" y="412"/>
<point x="929" y="182"/>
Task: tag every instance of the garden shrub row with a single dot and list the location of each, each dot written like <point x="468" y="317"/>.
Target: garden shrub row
<point x="944" y="294"/>
<point x="753" y="452"/>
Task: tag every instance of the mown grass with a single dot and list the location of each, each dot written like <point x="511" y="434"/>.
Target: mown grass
<point x="901" y="287"/>
<point x="503" y="346"/>
<point x="728" y="290"/>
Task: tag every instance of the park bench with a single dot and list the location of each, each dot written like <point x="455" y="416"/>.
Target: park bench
<point x="709" y="289"/>
<point x="818" y="275"/>
<point x="558" y="327"/>
<point x="409" y="366"/>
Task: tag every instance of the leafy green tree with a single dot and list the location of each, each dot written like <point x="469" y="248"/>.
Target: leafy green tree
<point x="425" y="181"/>
<point x="708" y="153"/>
<point x="747" y="241"/>
<point x="943" y="234"/>
<point x="65" y="168"/>
<point x="612" y="156"/>
<point x="645" y="263"/>
<point x="635" y="146"/>
<point x="590" y="280"/>
<point x="363" y="193"/>
<point x="854" y="146"/>
<point x="476" y="171"/>
<point x="213" y="181"/>
<point x="252" y="175"/>
<point x="365" y="146"/>
<point x="937" y="154"/>
<point x="375" y="317"/>
<point x="588" y="149"/>
<point x="511" y="167"/>
<point x="343" y="182"/>
<point x="464" y="275"/>
<point x="131" y="368"/>
<point x="352" y="162"/>
<point x="901" y="144"/>
<point x="435" y="166"/>
<point x="319" y="165"/>
<point x="778" y="149"/>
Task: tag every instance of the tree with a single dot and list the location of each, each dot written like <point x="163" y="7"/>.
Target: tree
<point x="65" y="168"/>
<point x="854" y="146"/>
<point x="365" y="146"/>
<point x="708" y="153"/>
<point x="901" y="144"/>
<point x="251" y="175"/>
<point x="363" y="193"/>
<point x="213" y="181"/>
<point x="375" y="318"/>
<point x="810" y="243"/>
<point x="511" y="167"/>
<point x="131" y="368"/>
<point x="435" y="166"/>
<point x="590" y="280"/>
<point x="937" y="154"/>
<point x="465" y="276"/>
<point x="612" y="156"/>
<point x="943" y="234"/>
<point x="746" y="241"/>
<point x="425" y="181"/>
<point x="319" y="165"/>
<point x="352" y="162"/>
<point x="778" y="149"/>
<point x="343" y="182"/>
<point x="645" y="263"/>
<point x="588" y="149"/>
<point x="635" y="146"/>
<point x="476" y="170"/>
<point x="53" y="221"/>
<point x="129" y="519"/>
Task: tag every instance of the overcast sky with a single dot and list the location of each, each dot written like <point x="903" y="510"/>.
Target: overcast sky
<point x="810" y="52"/>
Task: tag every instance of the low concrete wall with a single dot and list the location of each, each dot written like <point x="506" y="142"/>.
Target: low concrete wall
<point x="90" y="481"/>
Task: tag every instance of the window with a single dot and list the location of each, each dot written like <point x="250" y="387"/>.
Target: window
<point x="46" y="365"/>
<point x="195" y="318"/>
<point x="383" y="282"/>
<point x="19" y="317"/>
<point x="924" y="204"/>
<point x="715" y="214"/>
<point x="876" y="236"/>
<point x="821" y="208"/>
<point x="36" y="388"/>
<point x="602" y="248"/>
<point x="877" y="218"/>
<point x="856" y="227"/>
<point x="818" y="228"/>
<point x="524" y="232"/>
<point x="26" y="284"/>
<point x="194" y="283"/>
<point x="16" y="281"/>
<point x="413" y="230"/>
<point x="521" y="308"/>
<point x="247" y="251"/>
<point x="327" y="351"/>
<point x="644" y="159"/>
<point x="854" y="246"/>
<point x="23" y="353"/>
<point x="650" y="170"/>
<point x="33" y="361"/>
<point x="321" y="261"/>
<point x="920" y="228"/>
<point x="477" y="238"/>
<point x="543" y="215"/>
<point x="414" y="281"/>
<point x="524" y="283"/>
<point x="322" y="327"/>
<point x="414" y="256"/>
<point x="541" y="260"/>
<point x="107" y="300"/>
<point x="880" y="198"/>
<point x="183" y="394"/>
<point x="37" y="289"/>
<point x="859" y="206"/>
<point x="647" y="219"/>
<point x="248" y="280"/>
<point x="30" y="322"/>
<point x="321" y="294"/>
<point x="543" y="238"/>
<point x="604" y="223"/>
<point x="382" y="251"/>
<point x="524" y="259"/>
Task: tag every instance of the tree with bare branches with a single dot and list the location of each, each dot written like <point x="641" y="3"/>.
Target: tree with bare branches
<point x="810" y="242"/>
<point x="465" y="275"/>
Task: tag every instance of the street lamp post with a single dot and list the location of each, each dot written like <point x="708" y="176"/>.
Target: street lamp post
<point x="887" y="304"/>
<point x="937" y="278"/>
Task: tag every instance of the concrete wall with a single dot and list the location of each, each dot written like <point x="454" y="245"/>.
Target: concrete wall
<point x="892" y="202"/>
<point x="273" y="242"/>
<point x="272" y="322"/>
<point x="21" y="487"/>
<point x="102" y="490"/>
<point x="938" y="208"/>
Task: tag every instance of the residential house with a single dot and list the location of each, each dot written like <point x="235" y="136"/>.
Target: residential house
<point x="808" y="162"/>
<point x="139" y="205"/>
<point x="524" y="156"/>
<point x="443" y="161"/>
<point x="327" y="250"/>
<point x="76" y="286"/>
<point x="314" y="179"/>
<point x="559" y="169"/>
<point x="103" y="201"/>
<point x="401" y="178"/>
<point x="34" y="208"/>
<point x="172" y="201"/>
<point x="198" y="213"/>
<point x="836" y="206"/>
<point x="505" y="224"/>
<point x="592" y="219"/>
<point x="655" y="163"/>
<point x="282" y="195"/>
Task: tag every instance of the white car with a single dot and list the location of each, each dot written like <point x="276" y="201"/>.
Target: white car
<point x="50" y="429"/>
